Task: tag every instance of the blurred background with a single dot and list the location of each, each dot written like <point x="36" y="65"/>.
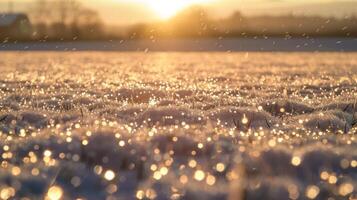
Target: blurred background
<point x="151" y="20"/>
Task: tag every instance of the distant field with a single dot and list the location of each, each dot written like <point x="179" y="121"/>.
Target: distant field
<point x="178" y="125"/>
<point x="212" y="44"/>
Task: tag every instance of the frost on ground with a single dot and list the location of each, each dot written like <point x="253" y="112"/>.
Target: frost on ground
<point x="178" y="126"/>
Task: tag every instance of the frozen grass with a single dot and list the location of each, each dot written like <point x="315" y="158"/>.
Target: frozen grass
<point x="178" y="126"/>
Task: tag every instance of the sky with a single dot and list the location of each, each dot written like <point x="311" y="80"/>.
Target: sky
<point x="123" y="12"/>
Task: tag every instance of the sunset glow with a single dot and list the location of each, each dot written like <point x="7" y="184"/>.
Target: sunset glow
<point x="178" y="99"/>
<point x="168" y="8"/>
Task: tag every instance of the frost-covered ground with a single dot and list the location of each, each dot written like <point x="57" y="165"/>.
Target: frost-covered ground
<point x="178" y="125"/>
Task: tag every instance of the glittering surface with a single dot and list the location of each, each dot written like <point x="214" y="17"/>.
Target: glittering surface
<point x="178" y="125"/>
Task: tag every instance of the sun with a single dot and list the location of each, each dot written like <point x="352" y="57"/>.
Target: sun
<point x="168" y="8"/>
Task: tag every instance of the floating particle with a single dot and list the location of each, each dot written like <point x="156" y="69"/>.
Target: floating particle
<point x="345" y="163"/>
<point x="140" y="194"/>
<point x="183" y="179"/>
<point x="324" y="175"/>
<point x="220" y="167"/>
<point x="199" y="175"/>
<point x="121" y="143"/>
<point x="245" y="119"/>
<point x="210" y="180"/>
<point x="153" y="167"/>
<point x="109" y="175"/>
<point x="111" y="188"/>
<point x="35" y="172"/>
<point x="89" y="133"/>
<point x="293" y="191"/>
<point x="150" y="194"/>
<point x="75" y="157"/>
<point x="200" y="145"/>
<point x="47" y="153"/>
<point x="192" y="163"/>
<point x="16" y="171"/>
<point x="296" y="160"/>
<point x="7" y="193"/>
<point x="272" y="143"/>
<point x="157" y="175"/>
<point x="68" y="139"/>
<point x="85" y="142"/>
<point x="345" y="189"/>
<point x="6" y="147"/>
<point x="98" y="169"/>
<point x="312" y="191"/>
<point x="54" y="193"/>
<point x="164" y="171"/>
<point x="76" y="181"/>
<point x="332" y="179"/>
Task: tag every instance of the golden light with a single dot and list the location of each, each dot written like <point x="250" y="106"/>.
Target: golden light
<point x="54" y="193"/>
<point x="220" y="167"/>
<point x="183" y="179"/>
<point x="345" y="189"/>
<point x="168" y="8"/>
<point x="210" y="180"/>
<point x="199" y="175"/>
<point x="16" y="171"/>
<point x="7" y="193"/>
<point x="109" y="175"/>
<point x="296" y="161"/>
<point x="312" y="191"/>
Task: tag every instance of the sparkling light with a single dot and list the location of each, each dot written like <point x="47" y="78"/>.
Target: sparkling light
<point x="199" y="175"/>
<point x="312" y="191"/>
<point x="7" y="193"/>
<point x="220" y="167"/>
<point x="55" y="193"/>
<point x="109" y="175"/>
<point x="168" y="8"/>
<point x="345" y="189"/>
<point x="296" y="161"/>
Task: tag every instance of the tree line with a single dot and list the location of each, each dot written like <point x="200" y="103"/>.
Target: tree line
<point x="65" y="20"/>
<point x="69" y="20"/>
<point x="195" y="22"/>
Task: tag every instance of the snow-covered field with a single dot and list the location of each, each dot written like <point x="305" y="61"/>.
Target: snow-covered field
<point x="178" y="125"/>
